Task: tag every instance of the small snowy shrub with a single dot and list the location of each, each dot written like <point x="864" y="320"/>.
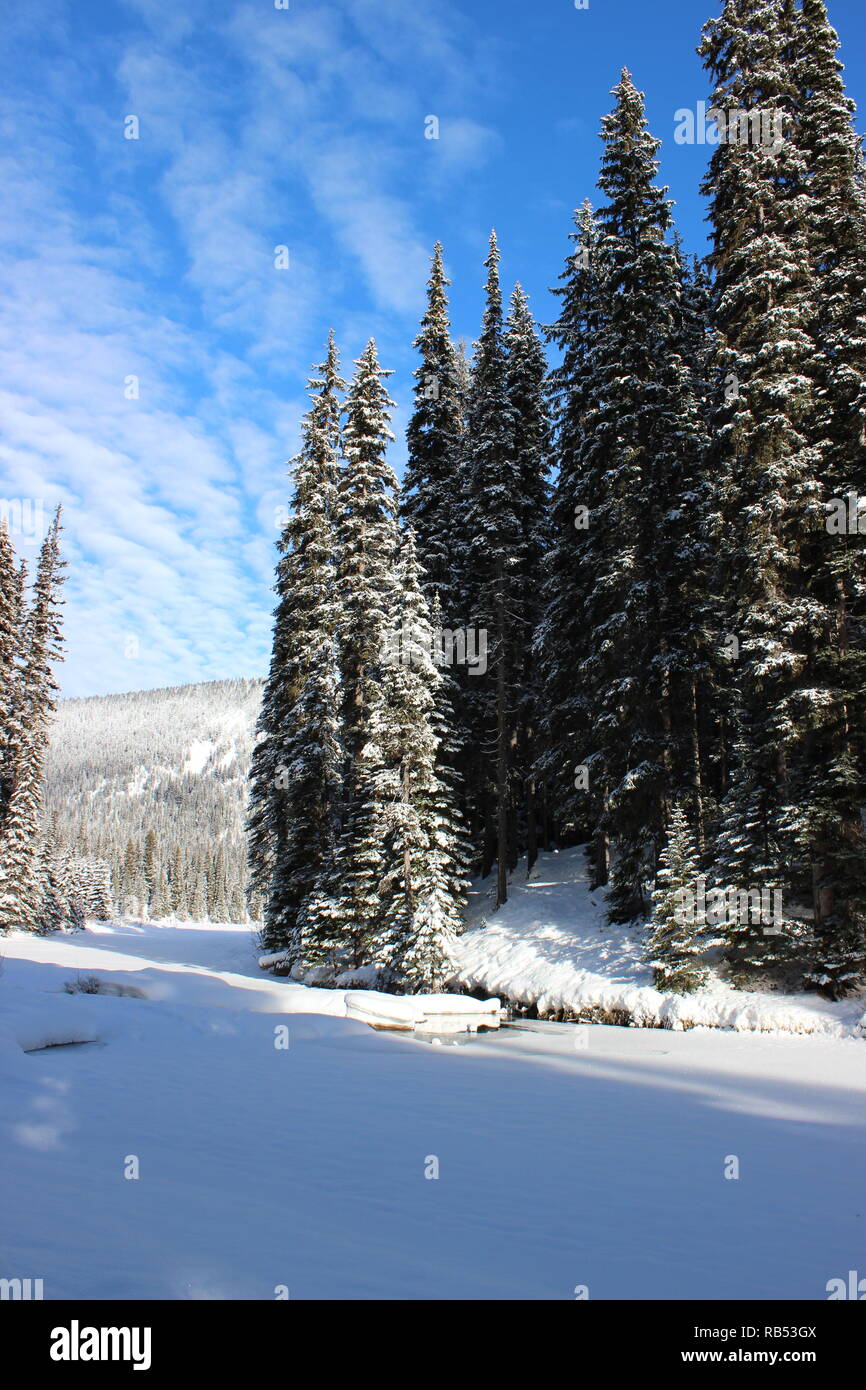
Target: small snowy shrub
<point x="87" y="984"/>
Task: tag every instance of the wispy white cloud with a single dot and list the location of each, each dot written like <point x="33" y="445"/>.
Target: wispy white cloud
<point x="153" y="259"/>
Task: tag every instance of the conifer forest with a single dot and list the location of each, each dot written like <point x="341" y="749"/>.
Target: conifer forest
<point x="555" y="715"/>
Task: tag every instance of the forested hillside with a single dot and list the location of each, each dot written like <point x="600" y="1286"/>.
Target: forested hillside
<point x="154" y="783"/>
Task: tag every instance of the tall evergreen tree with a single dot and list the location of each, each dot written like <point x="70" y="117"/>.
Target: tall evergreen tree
<point x="429" y="497"/>
<point x="198" y="905"/>
<point x="34" y="689"/>
<point x="451" y="849"/>
<point x="418" y="890"/>
<point x="567" y="576"/>
<point x="526" y="386"/>
<point x="834" y="209"/>
<point x="785" y="805"/>
<point x="12" y="581"/>
<point x="492" y="531"/>
<point x="345" y="911"/>
<point x="57" y="906"/>
<point x="629" y="438"/>
<point x="702" y="697"/>
<point x="295" y="788"/>
<point x="150" y="862"/>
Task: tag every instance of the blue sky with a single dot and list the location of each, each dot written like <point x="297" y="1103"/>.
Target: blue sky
<point x="154" y="258"/>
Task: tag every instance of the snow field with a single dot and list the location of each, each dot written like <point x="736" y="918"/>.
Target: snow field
<point x="550" y="946"/>
<point x="356" y="1164"/>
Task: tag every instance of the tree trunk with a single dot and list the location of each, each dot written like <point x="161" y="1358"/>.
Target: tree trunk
<point x="501" y="750"/>
<point x="697" y="779"/>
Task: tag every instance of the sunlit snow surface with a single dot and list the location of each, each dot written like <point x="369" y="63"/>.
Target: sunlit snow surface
<point x="550" y="945"/>
<point x="566" y="1155"/>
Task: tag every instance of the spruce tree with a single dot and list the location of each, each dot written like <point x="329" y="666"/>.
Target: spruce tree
<point x="345" y="911"/>
<point x="12" y="580"/>
<point x="451" y="846"/>
<point x="295" y="779"/>
<point x="702" y="697"/>
<point x="151" y="863"/>
<point x="431" y="488"/>
<point x="567" y="576"/>
<point x="834" y="209"/>
<point x="198" y="906"/>
<point x="628" y="554"/>
<point x="677" y="936"/>
<point x="527" y="391"/>
<point x="421" y="889"/>
<point x="491" y="524"/>
<point x="56" y="908"/>
<point x="787" y="801"/>
<point x="218" y="908"/>
<point x="33" y="692"/>
<point x="429" y="497"/>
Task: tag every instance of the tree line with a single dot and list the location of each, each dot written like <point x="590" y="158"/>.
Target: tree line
<point x="38" y="892"/>
<point x="657" y="544"/>
<point x="149" y="784"/>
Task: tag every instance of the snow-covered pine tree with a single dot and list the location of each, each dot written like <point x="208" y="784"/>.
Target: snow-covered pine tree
<point x="421" y="888"/>
<point x="491" y="528"/>
<point x="56" y="909"/>
<point x="34" y="689"/>
<point x="567" y="577"/>
<point x="681" y="609"/>
<point x="449" y="835"/>
<point x="88" y="882"/>
<point x="634" y="434"/>
<point x="704" y="716"/>
<point x="431" y="489"/>
<point x="236" y="902"/>
<point x="129" y="875"/>
<point x="160" y="903"/>
<point x="344" y="915"/>
<point x="678" y="936"/>
<point x="295" y="776"/>
<point x="217" y="907"/>
<point x="526" y="387"/>
<point x="198" y="905"/>
<point x="463" y="380"/>
<point x="429" y="498"/>
<point x="769" y="467"/>
<point x="100" y="890"/>
<point x="178" y="884"/>
<point x="150" y="864"/>
<point x="834" y="209"/>
<point x="12" y="579"/>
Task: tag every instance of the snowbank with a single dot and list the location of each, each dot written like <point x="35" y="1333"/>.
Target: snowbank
<point x="443" y="1013"/>
<point x="439" y="1013"/>
<point x="549" y="946"/>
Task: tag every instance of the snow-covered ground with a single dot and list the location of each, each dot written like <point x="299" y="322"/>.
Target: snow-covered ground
<point x="567" y="1155"/>
<point x="551" y="946"/>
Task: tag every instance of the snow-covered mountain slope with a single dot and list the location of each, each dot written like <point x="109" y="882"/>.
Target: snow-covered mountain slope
<point x="550" y="946"/>
<point x="350" y="1164"/>
<point x="174" y="761"/>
